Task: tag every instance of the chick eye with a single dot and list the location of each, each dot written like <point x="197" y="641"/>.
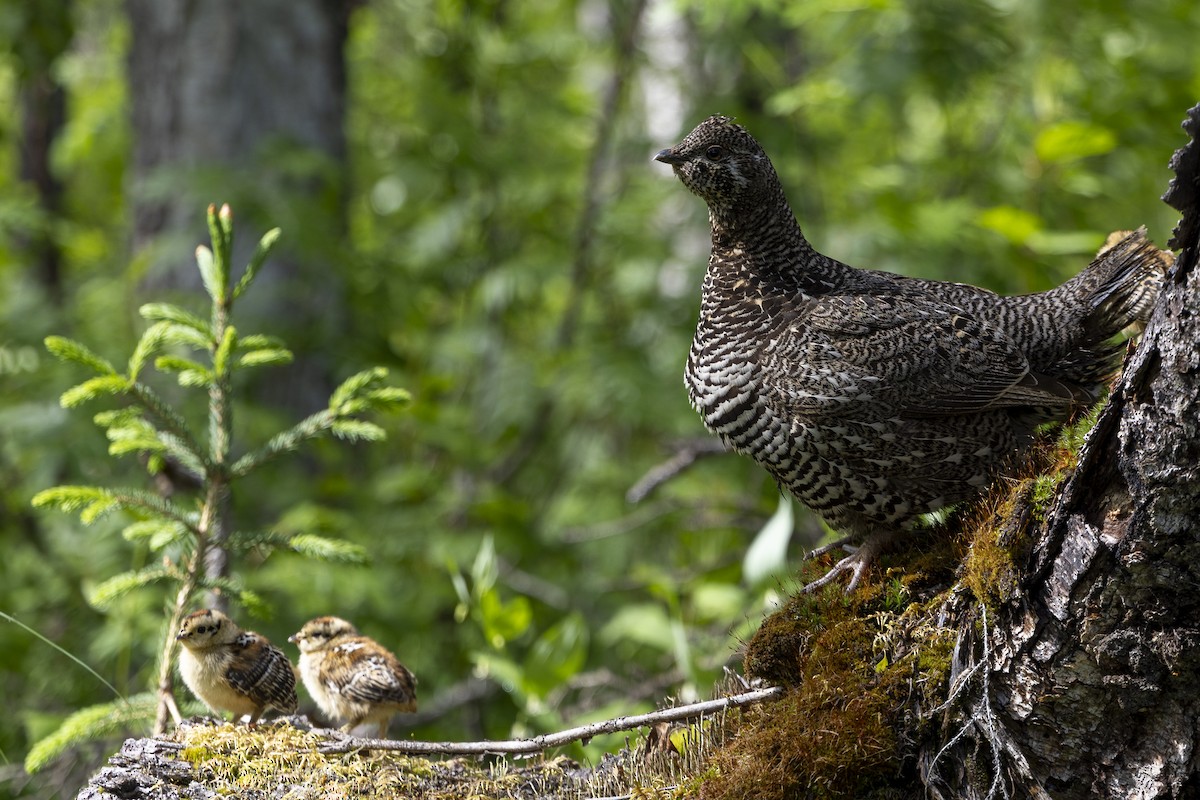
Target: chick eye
<point x="715" y="153"/>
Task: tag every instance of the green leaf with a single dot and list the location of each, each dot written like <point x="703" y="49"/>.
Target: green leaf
<point x="108" y="720"/>
<point x="714" y="602"/>
<point x="357" y="430"/>
<point x="245" y="541"/>
<point x="389" y="397"/>
<point x="194" y="379"/>
<point x="258" y="341"/>
<point x="485" y="569"/>
<point x="1071" y="140"/>
<point x="557" y="655"/>
<point x="167" y="312"/>
<point x="1065" y="242"/>
<point x="69" y="498"/>
<point x="178" y="364"/>
<point x="175" y="433"/>
<point x="93" y="501"/>
<point x="208" y="273"/>
<point x="265" y="245"/>
<point x="314" y="546"/>
<point x="189" y="372"/>
<point x="71" y="350"/>
<point x="156" y="533"/>
<point x="767" y="554"/>
<point x="98" y="509"/>
<point x="151" y="340"/>
<point x="117" y="417"/>
<point x="181" y="450"/>
<point x="224" y="349"/>
<point x="188" y="337"/>
<point x="265" y="357"/>
<point x="116" y="587"/>
<point x="93" y="388"/>
<point x="220" y="230"/>
<point x="133" y="439"/>
<point x="641" y="623"/>
<point x="503" y="621"/>
<point x="1014" y="224"/>
<point x="351" y="387"/>
<point x="254" y="604"/>
<point x="310" y="427"/>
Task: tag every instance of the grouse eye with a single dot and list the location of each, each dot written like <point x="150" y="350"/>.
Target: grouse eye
<point x="715" y="153"/>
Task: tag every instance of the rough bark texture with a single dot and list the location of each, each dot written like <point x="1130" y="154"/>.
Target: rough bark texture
<point x="146" y="768"/>
<point x="1086" y="684"/>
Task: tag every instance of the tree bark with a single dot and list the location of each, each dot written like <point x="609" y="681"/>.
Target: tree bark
<point x="44" y="33"/>
<point x="1085" y="685"/>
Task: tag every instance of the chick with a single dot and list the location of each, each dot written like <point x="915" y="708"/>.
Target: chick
<point x="230" y="669"/>
<point x="353" y="678"/>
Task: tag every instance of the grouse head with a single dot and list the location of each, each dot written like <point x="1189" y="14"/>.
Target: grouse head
<point x="207" y="628"/>
<point x="721" y="163"/>
<point x="318" y="633"/>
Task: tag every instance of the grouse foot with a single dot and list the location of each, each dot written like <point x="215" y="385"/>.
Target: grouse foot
<point x="856" y="563"/>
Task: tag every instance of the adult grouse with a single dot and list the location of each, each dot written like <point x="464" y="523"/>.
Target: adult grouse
<point x="872" y="397"/>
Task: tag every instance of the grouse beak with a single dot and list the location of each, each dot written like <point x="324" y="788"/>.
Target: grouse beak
<point x="669" y="156"/>
<point x="295" y="637"/>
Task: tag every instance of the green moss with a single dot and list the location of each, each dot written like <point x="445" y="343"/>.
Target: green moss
<point x="861" y="668"/>
<point x="858" y="667"/>
<point x="278" y="759"/>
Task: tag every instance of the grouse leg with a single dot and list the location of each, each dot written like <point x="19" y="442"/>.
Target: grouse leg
<point x="845" y="541"/>
<point x="856" y="563"/>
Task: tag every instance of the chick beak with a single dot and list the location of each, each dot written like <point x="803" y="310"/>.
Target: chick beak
<point x="669" y="156"/>
<point x="179" y="637"/>
<point x="294" y="638"/>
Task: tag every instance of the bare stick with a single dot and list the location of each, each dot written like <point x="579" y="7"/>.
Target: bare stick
<point x="539" y="743"/>
<point x="685" y="455"/>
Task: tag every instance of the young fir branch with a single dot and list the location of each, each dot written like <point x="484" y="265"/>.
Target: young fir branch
<point x="151" y="428"/>
<point x="93" y="502"/>
<point x="90" y="724"/>
<point x="102" y="596"/>
<point x="359" y="394"/>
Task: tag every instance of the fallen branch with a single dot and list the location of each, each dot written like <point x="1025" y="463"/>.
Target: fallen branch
<point x="348" y="744"/>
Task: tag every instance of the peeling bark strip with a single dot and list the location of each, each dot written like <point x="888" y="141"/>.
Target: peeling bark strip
<point x="1092" y="672"/>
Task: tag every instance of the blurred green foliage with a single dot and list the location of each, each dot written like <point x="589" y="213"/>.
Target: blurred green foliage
<point x="541" y="317"/>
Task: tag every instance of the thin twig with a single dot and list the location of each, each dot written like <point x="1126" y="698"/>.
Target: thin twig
<point x="684" y="457"/>
<point x="537" y="744"/>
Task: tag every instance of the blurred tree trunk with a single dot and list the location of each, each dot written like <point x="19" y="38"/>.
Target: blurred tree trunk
<point x="1086" y="684"/>
<point x="44" y="32"/>
<point x="245" y="103"/>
